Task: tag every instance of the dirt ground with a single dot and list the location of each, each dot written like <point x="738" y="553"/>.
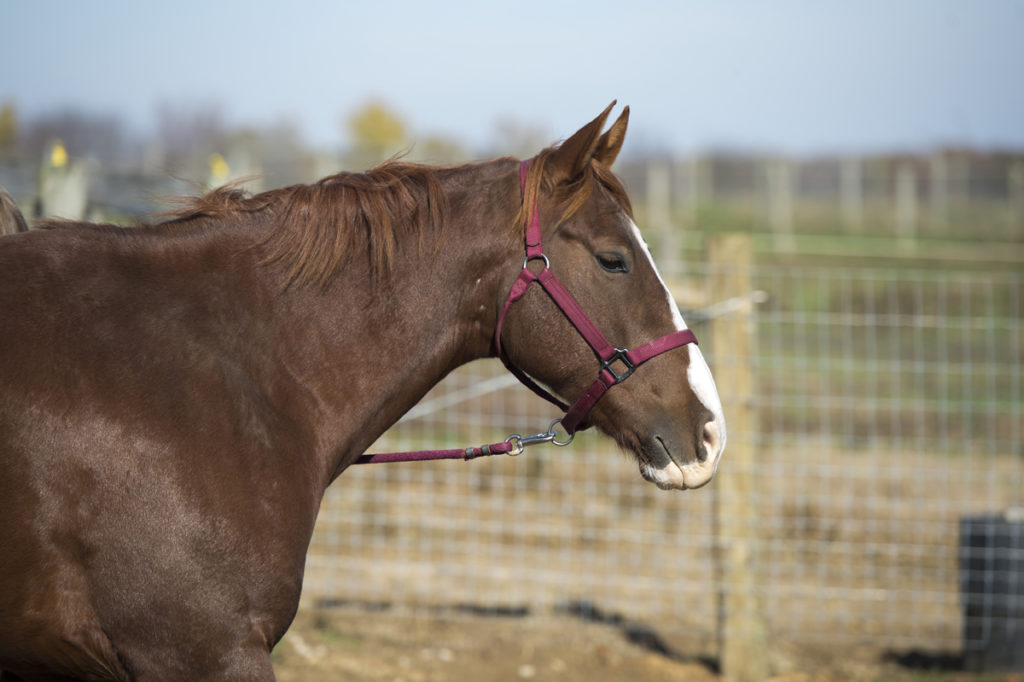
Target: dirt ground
<point x="359" y="644"/>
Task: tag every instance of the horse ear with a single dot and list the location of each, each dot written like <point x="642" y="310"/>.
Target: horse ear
<point x="570" y="159"/>
<point x="610" y="144"/>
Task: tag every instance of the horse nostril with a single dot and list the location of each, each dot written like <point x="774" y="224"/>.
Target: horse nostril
<point x="712" y="441"/>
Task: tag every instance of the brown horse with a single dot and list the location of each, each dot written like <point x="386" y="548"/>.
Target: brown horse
<point x="175" y="398"/>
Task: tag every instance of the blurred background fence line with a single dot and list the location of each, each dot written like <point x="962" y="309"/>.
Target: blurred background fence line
<point x="946" y="194"/>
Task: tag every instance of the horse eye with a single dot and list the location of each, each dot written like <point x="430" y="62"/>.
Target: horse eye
<point x="611" y="262"/>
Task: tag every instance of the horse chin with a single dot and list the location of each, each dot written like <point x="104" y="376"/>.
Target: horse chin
<point x="658" y="466"/>
<point x="674" y="477"/>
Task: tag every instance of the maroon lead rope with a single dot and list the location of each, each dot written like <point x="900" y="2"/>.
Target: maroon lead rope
<point x="513" y="445"/>
<point x="617" y="364"/>
<point x="503" y="448"/>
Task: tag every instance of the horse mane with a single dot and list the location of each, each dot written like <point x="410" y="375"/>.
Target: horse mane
<point x="317" y="226"/>
<point x="11" y="219"/>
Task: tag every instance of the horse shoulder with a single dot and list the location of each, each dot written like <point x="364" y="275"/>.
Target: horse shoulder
<point x="135" y="446"/>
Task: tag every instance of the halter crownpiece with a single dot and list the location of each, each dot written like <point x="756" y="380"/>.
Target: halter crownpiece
<point x="616" y="364"/>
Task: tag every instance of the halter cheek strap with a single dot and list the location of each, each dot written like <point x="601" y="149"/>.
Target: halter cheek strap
<point x="616" y="364"/>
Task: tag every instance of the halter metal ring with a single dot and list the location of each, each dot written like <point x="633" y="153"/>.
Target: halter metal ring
<point x="516" y="441"/>
<point x="554" y="434"/>
<point x="547" y="263"/>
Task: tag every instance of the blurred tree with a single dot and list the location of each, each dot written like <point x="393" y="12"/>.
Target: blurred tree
<point x="376" y="133"/>
<point x="8" y="126"/>
<point x="438" y="149"/>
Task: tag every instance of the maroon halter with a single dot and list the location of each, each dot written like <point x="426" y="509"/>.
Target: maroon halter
<point x="616" y="364"/>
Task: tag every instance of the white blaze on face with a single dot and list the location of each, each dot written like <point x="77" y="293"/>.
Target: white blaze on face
<point x="691" y="474"/>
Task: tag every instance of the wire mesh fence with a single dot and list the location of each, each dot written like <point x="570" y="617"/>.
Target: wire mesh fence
<point x="889" y="408"/>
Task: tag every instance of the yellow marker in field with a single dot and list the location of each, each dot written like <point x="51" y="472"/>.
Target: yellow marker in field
<point x="58" y="155"/>
<point x="219" y="169"/>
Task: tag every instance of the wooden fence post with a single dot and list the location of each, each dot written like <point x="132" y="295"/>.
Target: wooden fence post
<point x="63" y="185"/>
<point x="659" y="211"/>
<point x="906" y="205"/>
<point x="851" y="194"/>
<point x="939" y="192"/>
<point x="743" y="648"/>
<point x="780" y="176"/>
<point x="687" y="191"/>
<point x="1015" y="196"/>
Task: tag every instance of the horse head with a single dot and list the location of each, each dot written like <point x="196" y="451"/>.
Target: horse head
<point x="668" y="413"/>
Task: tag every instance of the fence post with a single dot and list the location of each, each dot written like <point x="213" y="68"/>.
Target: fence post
<point x="1015" y="194"/>
<point x="659" y="211"/>
<point x="939" y="192"/>
<point x="63" y="186"/>
<point x="780" y="186"/>
<point x="959" y="187"/>
<point x="743" y="648"/>
<point x="906" y="205"/>
<point x="686" y="190"/>
<point x="851" y="193"/>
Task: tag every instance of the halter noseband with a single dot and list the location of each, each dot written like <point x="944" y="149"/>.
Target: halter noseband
<point x="617" y="364"/>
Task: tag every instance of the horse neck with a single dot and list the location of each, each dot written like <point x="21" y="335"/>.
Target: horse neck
<point x="370" y="350"/>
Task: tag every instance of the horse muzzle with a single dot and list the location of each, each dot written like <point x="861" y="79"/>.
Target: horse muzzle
<point x="673" y="464"/>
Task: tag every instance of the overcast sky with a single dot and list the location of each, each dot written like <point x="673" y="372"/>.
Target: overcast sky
<point x="788" y="76"/>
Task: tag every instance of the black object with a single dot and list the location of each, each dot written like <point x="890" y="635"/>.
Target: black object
<point x="992" y="591"/>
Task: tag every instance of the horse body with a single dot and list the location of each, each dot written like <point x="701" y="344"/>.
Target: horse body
<point x="158" y="394"/>
<point x="174" y="403"/>
<point x="112" y="448"/>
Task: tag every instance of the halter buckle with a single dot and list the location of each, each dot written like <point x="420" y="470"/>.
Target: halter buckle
<point x="620" y="355"/>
